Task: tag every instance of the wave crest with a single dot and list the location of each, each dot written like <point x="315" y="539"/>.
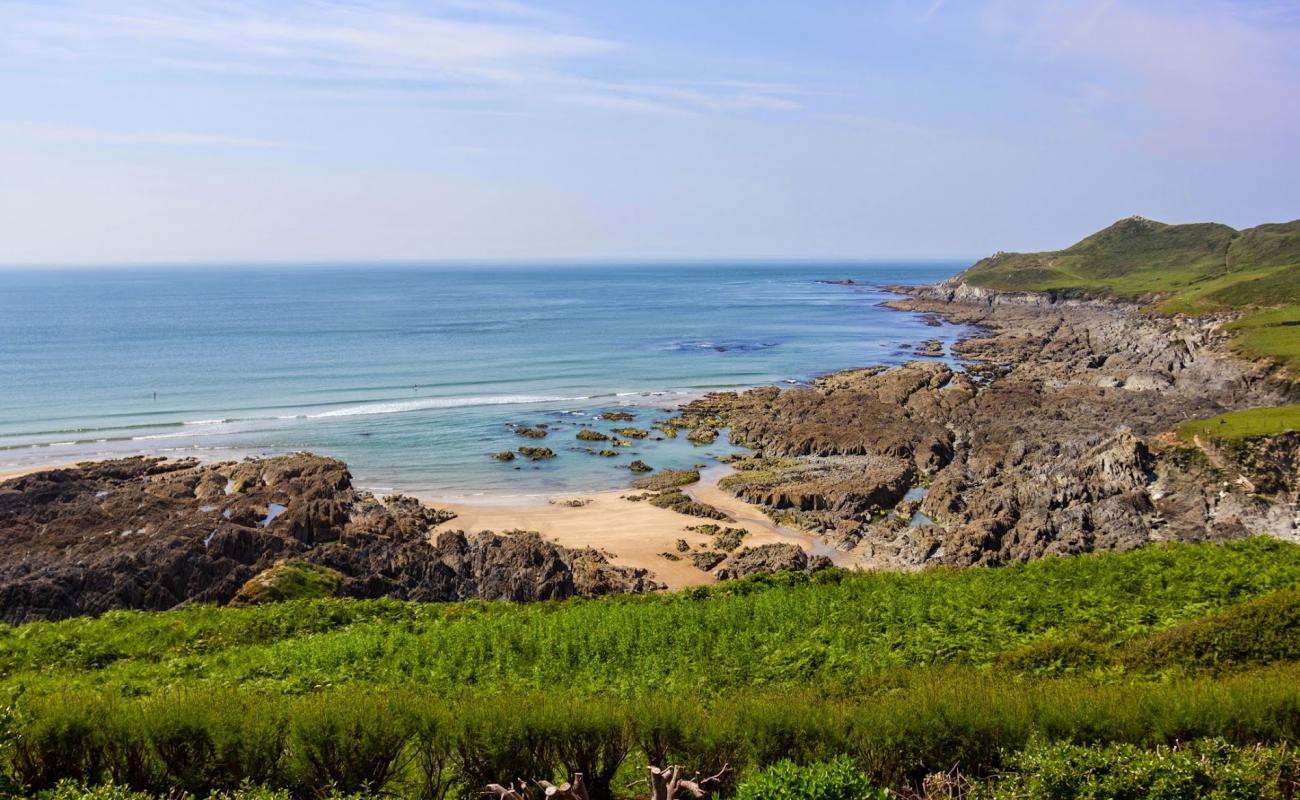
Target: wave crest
<point x="402" y="406"/>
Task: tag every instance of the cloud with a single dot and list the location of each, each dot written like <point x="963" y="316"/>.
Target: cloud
<point x="35" y="131"/>
<point x="1197" y="77"/>
<point x="486" y="45"/>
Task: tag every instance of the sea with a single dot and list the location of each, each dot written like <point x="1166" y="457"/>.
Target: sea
<point x="416" y="375"/>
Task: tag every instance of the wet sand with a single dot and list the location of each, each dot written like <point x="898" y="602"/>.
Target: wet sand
<point x="18" y="473"/>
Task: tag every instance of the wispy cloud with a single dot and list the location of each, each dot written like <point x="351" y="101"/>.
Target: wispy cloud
<point x="486" y="45"/>
<point x="1201" y="76"/>
<point x="61" y="133"/>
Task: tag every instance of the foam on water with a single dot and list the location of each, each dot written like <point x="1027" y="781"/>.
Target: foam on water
<point x="440" y="402"/>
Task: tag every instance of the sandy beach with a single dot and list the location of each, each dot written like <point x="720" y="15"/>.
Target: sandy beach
<point x="18" y="473"/>
<point x="631" y="533"/>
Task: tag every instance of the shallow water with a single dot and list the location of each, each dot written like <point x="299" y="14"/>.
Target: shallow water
<point x="415" y="374"/>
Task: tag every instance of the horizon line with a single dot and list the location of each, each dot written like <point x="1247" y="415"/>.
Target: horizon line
<point x="690" y="261"/>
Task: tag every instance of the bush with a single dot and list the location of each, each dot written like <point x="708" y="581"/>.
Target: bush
<point x="838" y="779"/>
<point x="347" y="741"/>
<point x="58" y="738"/>
<point x="212" y="742"/>
<point x="1210" y="769"/>
<point x="1260" y="631"/>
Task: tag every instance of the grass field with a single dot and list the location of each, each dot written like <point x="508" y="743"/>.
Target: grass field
<point x="904" y="674"/>
<point x="1246" y="424"/>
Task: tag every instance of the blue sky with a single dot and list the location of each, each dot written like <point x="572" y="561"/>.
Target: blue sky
<point x="237" y="130"/>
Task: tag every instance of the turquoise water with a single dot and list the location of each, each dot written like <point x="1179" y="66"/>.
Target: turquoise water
<point x="414" y="374"/>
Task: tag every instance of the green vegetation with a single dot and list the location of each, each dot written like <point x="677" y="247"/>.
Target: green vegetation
<point x="1246" y="424"/>
<point x="1209" y="769"/>
<point x="1189" y="269"/>
<point x="289" y="580"/>
<point x="1200" y="267"/>
<point x="1271" y="335"/>
<point x="904" y="674"/>
<point x="838" y="779"/>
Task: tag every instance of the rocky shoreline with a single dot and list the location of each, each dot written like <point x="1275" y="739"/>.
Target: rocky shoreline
<point x="146" y="533"/>
<point x="1055" y="439"/>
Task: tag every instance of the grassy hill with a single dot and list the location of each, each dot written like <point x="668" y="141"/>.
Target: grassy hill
<point x="1189" y="269"/>
<point x="906" y="674"/>
<point x="1184" y="268"/>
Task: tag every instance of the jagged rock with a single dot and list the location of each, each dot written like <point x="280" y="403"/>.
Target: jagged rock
<point x="640" y="466"/>
<point x="707" y="559"/>
<point x="151" y="534"/>
<point x="768" y="558"/>
<point x="702" y="435"/>
<point x="930" y="348"/>
<point x="729" y="539"/>
<point x="679" y="501"/>
<point x="1054" y="440"/>
<point x="536" y="453"/>
<point x="667" y="479"/>
<point x="588" y="435"/>
<point x="632" y="433"/>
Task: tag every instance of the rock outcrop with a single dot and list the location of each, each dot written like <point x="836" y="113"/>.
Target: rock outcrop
<point x="146" y="533"/>
<point x="765" y="558"/>
<point x="1055" y="439"/>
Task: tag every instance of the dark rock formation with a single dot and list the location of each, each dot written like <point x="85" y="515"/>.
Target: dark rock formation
<point x="632" y="433"/>
<point x="536" y="453"/>
<point x="667" y="479"/>
<point x="707" y="559"/>
<point x="152" y="534"/>
<point x="770" y="558"/>
<point x="1056" y="439"/>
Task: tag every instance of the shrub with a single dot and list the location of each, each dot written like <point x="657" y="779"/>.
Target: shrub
<point x="838" y="779"/>
<point x="206" y="741"/>
<point x="1260" y="631"/>
<point x="500" y="738"/>
<point x="1209" y="768"/>
<point x="346" y="741"/>
<point x="58" y="739"/>
<point x="593" y="737"/>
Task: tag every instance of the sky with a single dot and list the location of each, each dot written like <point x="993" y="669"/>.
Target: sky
<point x="215" y="131"/>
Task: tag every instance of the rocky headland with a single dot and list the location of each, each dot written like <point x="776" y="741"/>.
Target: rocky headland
<point x="1056" y="438"/>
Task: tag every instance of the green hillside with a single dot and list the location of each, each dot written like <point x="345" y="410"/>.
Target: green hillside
<point x="1192" y="269"/>
<point x="897" y="676"/>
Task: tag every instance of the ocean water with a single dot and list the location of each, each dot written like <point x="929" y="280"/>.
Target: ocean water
<point x="415" y="374"/>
